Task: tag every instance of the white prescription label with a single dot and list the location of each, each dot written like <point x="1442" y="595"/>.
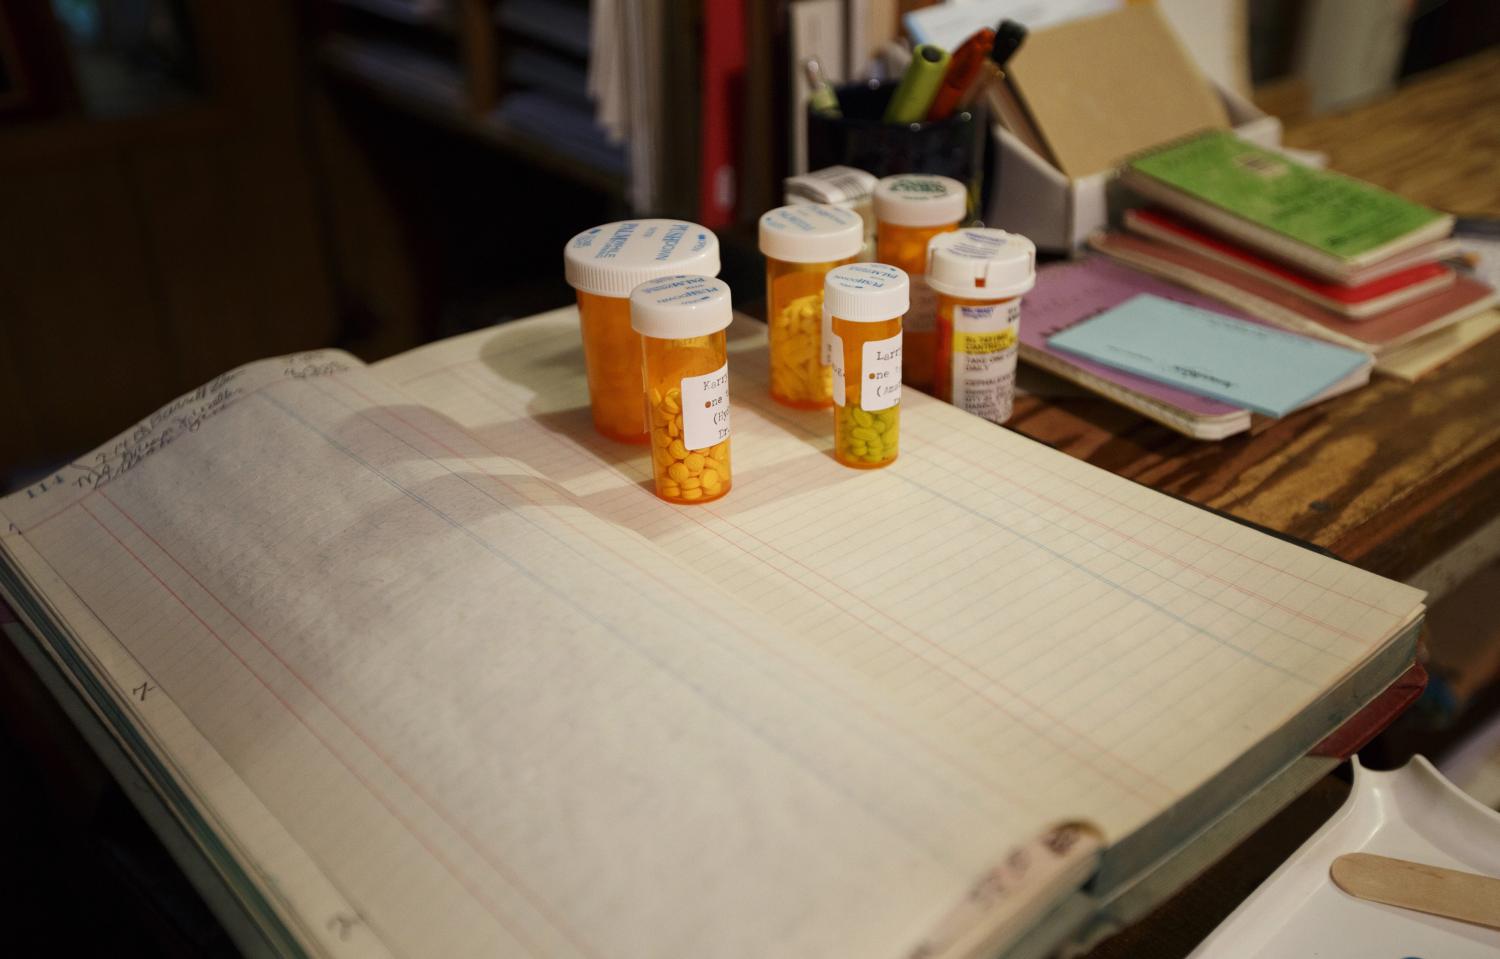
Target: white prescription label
<point x="836" y="362"/>
<point x="880" y="380"/>
<point x="705" y="409"/>
<point x="984" y="358"/>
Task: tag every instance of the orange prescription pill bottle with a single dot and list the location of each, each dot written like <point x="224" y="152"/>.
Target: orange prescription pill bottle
<point x="604" y="264"/>
<point x="979" y="276"/>
<point x="685" y="368"/>
<point x="911" y="209"/>
<point x="866" y="302"/>
<point x="801" y="244"/>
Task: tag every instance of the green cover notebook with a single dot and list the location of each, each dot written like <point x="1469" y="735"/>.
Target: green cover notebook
<point x="1343" y="219"/>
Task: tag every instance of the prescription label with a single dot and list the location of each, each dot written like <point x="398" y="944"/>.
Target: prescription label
<point x="984" y="358"/>
<point x="836" y="362"/>
<point x="705" y="409"/>
<point x="880" y="380"/>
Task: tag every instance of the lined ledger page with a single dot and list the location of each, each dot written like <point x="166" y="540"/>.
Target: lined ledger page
<point x="490" y="697"/>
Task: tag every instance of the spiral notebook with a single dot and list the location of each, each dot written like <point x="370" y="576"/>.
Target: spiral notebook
<point x="427" y="670"/>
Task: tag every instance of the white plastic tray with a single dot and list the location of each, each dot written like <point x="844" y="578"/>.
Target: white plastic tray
<point x="1411" y="813"/>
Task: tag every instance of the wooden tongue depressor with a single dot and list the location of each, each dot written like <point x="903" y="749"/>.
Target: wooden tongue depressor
<point x="1464" y="896"/>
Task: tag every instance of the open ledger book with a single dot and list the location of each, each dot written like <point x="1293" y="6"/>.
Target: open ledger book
<point x="427" y="670"/>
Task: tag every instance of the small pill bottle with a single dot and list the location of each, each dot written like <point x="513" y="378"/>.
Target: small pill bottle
<point x="801" y="244"/>
<point x="866" y="302"/>
<point x="979" y="276"/>
<point x="911" y="209"/>
<point x="603" y="265"/>
<point x="685" y="368"/>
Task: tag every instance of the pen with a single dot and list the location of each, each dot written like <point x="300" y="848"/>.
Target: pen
<point x="822" y="98"/>
<point x="918" y="85"/>
<point x="966" y="65"/>
<point x="1008" y="39"/>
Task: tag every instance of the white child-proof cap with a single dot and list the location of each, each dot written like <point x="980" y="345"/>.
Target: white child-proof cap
<point x="677" y="307"/>
<point x="613" y="259"/>
<point x="811" y="233"/>
<point x="981" y="264"/>
<point x="866" y="292"/>
<point x="920" y="199"/>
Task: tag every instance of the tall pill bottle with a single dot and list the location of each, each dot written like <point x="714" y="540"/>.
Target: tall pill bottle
<point x="604" y="265"/>
<point x="979" y="276"/>
<point x="801" y="244"/>
<point x="911" y="209"/>
<point x="684" y="366"/>
<point x="865" y="302"/>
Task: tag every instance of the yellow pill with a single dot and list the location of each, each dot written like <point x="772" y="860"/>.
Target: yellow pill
<point x="692" y="494"/>
<point x="692" y="482"/>
<point x="655" y="396"/>
<point x="664" y="458"/>
<point x="677" y="450"/>
<point x="872" y="457"/>
<point x="678" y="472"/>
<point x="888" y="414"/>
<point x="711" y="481"/>
<point x="694" y="463"/>
<point x="670" y="401"/>
<point x="860" y="416"/>
<point x="673" y="429"/>
<point x="864" y="433"/>
<point x="880" y="426"/>
<point x="668" y="489"/>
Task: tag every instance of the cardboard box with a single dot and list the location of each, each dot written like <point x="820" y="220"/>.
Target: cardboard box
<point x="1035" y="199"/>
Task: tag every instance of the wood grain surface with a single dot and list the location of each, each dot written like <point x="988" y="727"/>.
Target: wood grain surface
<point x="1388" y="476"/>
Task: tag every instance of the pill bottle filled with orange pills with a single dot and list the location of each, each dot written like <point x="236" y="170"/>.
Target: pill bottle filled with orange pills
<point x="979" y="276"/>
<point x="685" y="368"/>
<point x="865" y="302"/>
<point x="801" y="244"/>
<point x="911" y="209"/>
<point x="604" y="265"/>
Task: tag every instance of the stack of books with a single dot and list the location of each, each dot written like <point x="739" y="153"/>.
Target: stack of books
<point x="1308" y="250"/>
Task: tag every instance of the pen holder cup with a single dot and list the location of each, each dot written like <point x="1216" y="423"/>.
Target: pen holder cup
<point x="859" y="138"/>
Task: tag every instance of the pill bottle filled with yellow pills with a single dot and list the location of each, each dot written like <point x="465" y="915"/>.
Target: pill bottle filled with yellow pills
<point x="685" y="367"/>
<point x="979" y="276"/>
<point x="865" y="302"/>
<point x="801" y="244"/>
<point x="604" y="265"/>
<point x="911" y="209"/>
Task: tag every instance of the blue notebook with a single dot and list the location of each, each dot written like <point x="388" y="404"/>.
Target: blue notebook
<point x="1253" y="366"/>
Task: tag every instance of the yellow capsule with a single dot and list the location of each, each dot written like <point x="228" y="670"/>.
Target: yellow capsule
<point x="678" y="451"/>
<point x="694" y="463"/>
<point x="678" y="472"/>
<point x="872" y="457"/>
<point x="880" y="426"/>
<point x="860" y="416"/>
<point x="864" y="433"/>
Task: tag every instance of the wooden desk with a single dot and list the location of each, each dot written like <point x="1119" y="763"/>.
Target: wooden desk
<point x="1387" y="477"/>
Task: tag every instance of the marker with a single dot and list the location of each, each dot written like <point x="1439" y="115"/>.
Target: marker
<point x="918" y="85"/>
<point x="822" y="98"/>
<point x="1008" y="39"/>
<point x="967" y="63"/>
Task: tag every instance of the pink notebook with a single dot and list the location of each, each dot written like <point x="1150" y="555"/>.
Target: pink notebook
<point x="1069" y="293"/>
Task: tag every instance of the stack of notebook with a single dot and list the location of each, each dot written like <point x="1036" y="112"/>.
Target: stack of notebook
<point x="1307" y="250"/>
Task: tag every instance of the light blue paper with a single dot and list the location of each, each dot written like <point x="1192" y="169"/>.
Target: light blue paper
<point x="1257" y="367"/>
